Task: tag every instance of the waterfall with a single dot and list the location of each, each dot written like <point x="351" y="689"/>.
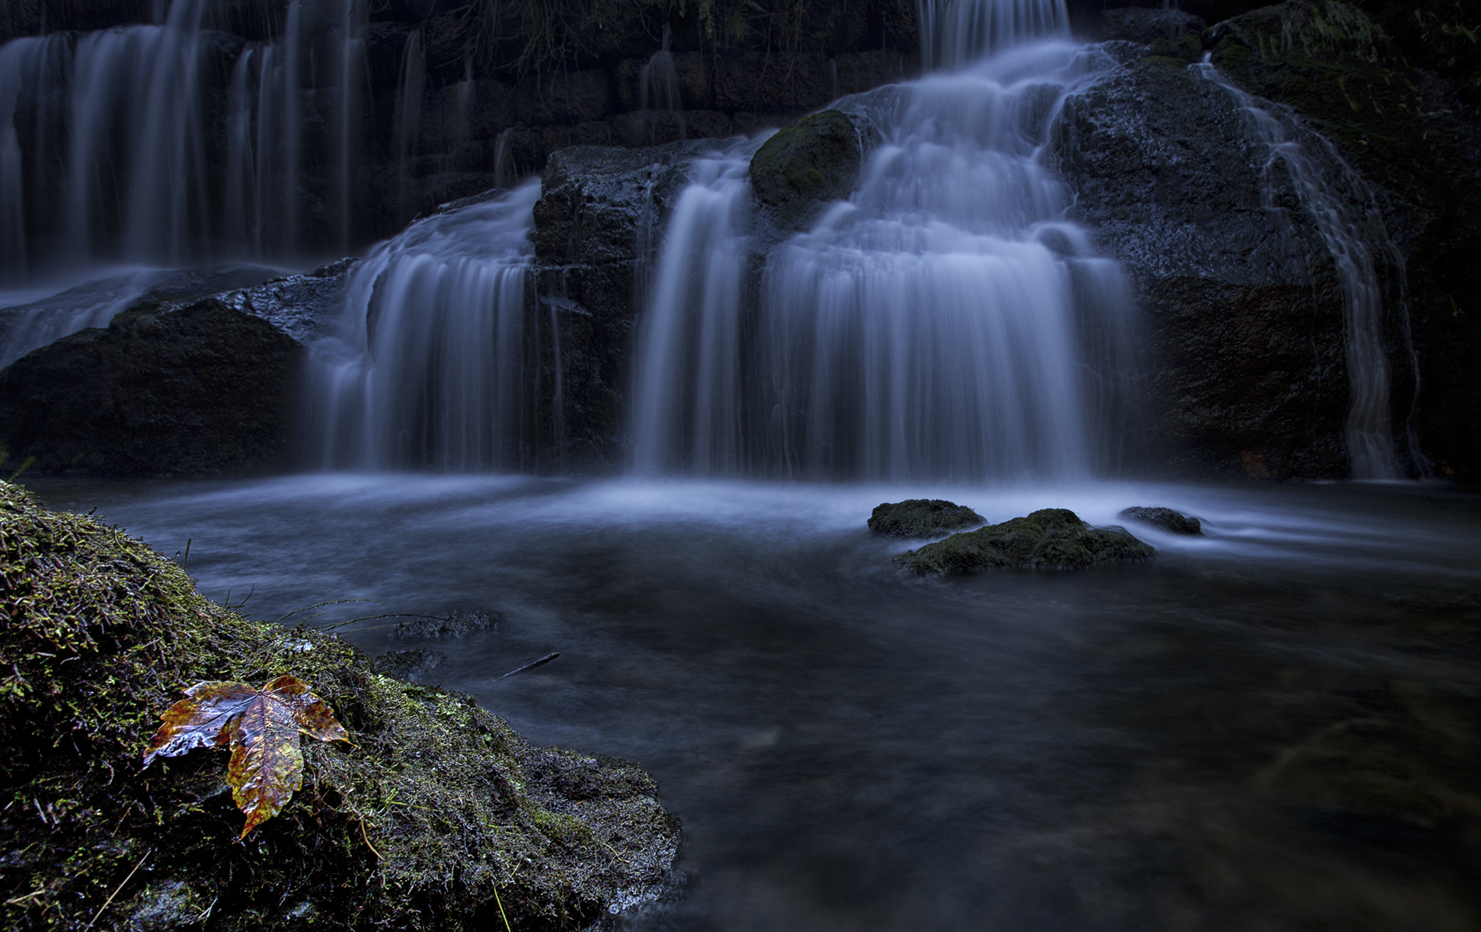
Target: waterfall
<point x="135" y="153"/>
<point x="957" y="32"/>
<point x="1348" y="231"/>
<point x="660" y="111"/>
<point x="425" y="371"/>
<point x="945" y="321"/>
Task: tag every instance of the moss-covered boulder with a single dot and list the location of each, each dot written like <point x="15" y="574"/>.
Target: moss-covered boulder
<point x="806" y="165"/>
<point x="438" y="817"/>
<point x="1051" y="538"/>
<point x="921" y="517"/>
<point x="1174" y="522"/>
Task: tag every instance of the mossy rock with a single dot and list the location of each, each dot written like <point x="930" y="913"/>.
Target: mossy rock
<point x="438" y="817"/>
<point x="1171" y="521"/>
<point x="921" y="517"/>
<point x="806" y="165"/>
<point x="1052" y="538"/>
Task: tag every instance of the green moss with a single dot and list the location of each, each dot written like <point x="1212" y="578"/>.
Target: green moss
<point x="805" y="165"/>
<point x="920" y="517"/>
<point x="438" y="806"/>
<point x="1052" y="538"/>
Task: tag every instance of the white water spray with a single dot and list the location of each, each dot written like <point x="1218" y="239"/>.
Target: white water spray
<point x="425" y="371"/>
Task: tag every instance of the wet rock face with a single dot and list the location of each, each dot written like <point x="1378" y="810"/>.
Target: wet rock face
<point x="1171" y="521"/>
<point x="806" y="165"/>
<point x="1397" y="95"/>
<point x="1245" y="353"/>
<point x="204" y="390"/>
<point x="597" y="228"/>
<point x="921" y="517"/>
<point x="1052" y="538"/>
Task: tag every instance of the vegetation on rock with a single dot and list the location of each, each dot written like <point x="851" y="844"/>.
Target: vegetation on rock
<point x="806" y="165"/>
<point x="1051" y="538"/>
<point x="921" y="517"/>
<point x="440" y="814"/>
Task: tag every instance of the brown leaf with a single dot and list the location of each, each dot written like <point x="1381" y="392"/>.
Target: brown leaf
<point x="262" y="728"/>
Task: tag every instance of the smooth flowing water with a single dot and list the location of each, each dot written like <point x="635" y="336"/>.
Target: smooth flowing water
<point x="425" y="370"/>
<point x="1273" y="727"/>
<point x="944" y="321"/>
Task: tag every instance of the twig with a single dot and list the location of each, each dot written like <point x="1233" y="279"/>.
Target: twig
<point x="117" y="889"/>
<point x="530" y="666"/>
<point x="361" y="819"/>
<point x="341" y="624"/>
<point x="18" y="900"/>
<point x="319" y="605"/>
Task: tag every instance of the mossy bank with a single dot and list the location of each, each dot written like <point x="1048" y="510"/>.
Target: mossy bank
<point x="439" y="817"/>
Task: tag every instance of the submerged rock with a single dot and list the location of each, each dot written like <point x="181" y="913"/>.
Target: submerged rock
<point x="410" y="663"/>
<point x="1051" y="538"/>
<point x="1165" y="518"/>
<point x="806" y="165"/>
<point x="455" y="624"/>
<point x="202" y="390"/>
<point x="438" y="816"/>
<point x="921" y="517"/>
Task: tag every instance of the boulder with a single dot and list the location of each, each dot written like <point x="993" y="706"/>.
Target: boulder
<point x="921" y="517"/>
<point x="1051" y="538"/>
<point x="438" y="816"/>
<point x="804" y="166"/>
<point x="1171" y="521"/>
<point x="1245" y="356"/>
<point x="204" y="390"/>
<point x="1399" y="105"/>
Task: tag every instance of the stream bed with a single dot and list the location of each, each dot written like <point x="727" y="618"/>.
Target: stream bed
<point x="1275" y="726"/>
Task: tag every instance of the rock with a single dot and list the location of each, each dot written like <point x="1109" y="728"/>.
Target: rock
<point x="203" y="390"/>
<point x="410" y="663"/>
<point x="1052" y="538"/>
<point x="1171" y="521"/>
<point x="306" y="306"/>
<point x="921" y="517"/>
<point x="806" y="165"/>
<point x="433" y="788"/>
<point x="1245" y="356"/>
<point x="1138" y="24"/>
<point x="451" y="625"/>
<point x="1394" y="102"/>
<point x="599" y="219"/>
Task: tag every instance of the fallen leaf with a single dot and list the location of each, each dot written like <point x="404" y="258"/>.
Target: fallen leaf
<point x="261" y="726"/>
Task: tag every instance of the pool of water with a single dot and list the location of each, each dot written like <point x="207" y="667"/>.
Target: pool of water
<point x="1275" y="726"/>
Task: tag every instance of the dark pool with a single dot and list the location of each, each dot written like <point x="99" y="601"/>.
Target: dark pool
<point x="1274" y="727"/>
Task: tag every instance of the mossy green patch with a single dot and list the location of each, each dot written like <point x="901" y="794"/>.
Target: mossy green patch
<point x="805" y="165"/>
<point x="921" y="517"/>
<point x="437" y="807"/>
<point x="1051" y="538"/>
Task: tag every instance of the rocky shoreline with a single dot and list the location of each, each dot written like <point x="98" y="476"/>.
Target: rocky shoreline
<point x="438" y="816"/>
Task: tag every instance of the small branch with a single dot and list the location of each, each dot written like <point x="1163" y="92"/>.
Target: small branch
<point x="530" y="666"/>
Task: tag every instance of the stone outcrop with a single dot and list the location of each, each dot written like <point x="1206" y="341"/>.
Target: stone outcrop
<point x="597" y="229"/>
<point x="202" y="390"/>
<point x="1245" y="356"/>
<point x="1051" y="538"/>
<point x="921" y="517"/>
<point x="806" y="165"/>
<point x="1174" y="522"/>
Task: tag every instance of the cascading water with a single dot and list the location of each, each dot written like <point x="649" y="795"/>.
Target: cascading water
<point x="127" y="158"/>
<point x="935" y="325"/>
<point x="425" y="371"/>
<point x="1348" y="230"/>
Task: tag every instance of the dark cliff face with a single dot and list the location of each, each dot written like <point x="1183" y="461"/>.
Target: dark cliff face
<point x="204" y="390"/>
<point x="1243" y="305"/>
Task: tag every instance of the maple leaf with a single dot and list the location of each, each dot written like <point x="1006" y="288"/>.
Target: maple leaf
<point x="261" y="726"/>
